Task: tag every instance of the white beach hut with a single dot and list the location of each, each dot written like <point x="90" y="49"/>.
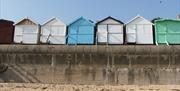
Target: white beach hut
<point x="110" y="31"/>
<point x="53" y="32"/>
<point x="139" y="31"/>
<point x="26" y="31"/>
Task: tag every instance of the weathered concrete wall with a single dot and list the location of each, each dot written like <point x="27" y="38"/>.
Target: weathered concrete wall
<point x="119" y="49"/>
<point x="148" y="54"/>
<point x="142" y="64"/>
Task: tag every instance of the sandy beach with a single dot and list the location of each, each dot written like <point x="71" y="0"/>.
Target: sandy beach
<point x="56" y="87"/>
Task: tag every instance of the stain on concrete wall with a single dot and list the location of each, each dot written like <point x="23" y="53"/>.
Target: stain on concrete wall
<point x="158" y="65"/>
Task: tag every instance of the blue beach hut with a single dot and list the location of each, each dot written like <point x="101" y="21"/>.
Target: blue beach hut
<point x="81" y="32"/>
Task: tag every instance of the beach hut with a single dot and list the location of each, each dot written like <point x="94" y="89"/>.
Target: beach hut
<point x="26" y="32"/>
<point x="6" y="31"/>
<point x="81" y="31"/>
<point x="167" y="31"/>
<point x="139" y="31"/>
<point x="53" y="32"/>
<point x="110" y="31"/>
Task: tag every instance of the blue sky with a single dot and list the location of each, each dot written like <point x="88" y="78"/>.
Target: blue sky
<point x="68" y="10"/>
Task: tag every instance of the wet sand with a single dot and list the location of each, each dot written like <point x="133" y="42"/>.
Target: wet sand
<point x="56" y="87"/>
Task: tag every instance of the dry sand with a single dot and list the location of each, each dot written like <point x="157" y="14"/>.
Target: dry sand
<point x="55" y="87"/>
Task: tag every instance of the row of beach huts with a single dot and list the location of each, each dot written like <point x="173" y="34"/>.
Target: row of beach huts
<point x="83" y="31"/>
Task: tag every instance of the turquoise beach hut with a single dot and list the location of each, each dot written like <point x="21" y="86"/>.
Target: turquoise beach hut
<point x="81" y="32"/>
<point x="167" y="31"/>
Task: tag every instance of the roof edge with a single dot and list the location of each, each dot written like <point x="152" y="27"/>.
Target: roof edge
<point x="166" y="20"/>
<point x="90" y="21"/>
<point x="109" y="17"/>
<point x="7" y="20"/>
<point x="51" y="19"/>
<point x="26" y="18"/>
<point x="138" y="16"/>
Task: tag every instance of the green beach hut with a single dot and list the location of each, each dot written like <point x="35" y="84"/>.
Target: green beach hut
<point x="167" y="31"/>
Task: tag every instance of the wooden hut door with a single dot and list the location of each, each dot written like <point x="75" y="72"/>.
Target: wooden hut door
<point x="85" y="35"/>
<point x="140" y="36"/>
<point x="115" y="34"/>
<point x="30" y="35"/>
<point x="102" y="34"/>
<point x="162" y="38"/>
<point x="131" y="34"/>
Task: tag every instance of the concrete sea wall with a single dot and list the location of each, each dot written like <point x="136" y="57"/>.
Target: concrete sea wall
<point x="127" y="64"/>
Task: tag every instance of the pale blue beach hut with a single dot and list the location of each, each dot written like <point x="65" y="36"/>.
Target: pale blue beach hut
<point x="81" y="32"/>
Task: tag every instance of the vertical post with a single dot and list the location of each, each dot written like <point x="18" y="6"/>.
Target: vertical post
<point x="113" y="59"/>
<point x="173" y="55"/>
<point x="14" y="58"/>
<point x="76" y="45"/>
<point x="53" y="60"/>
<point x="128" y="56"/>
<point x="130" y="62"/>
<point x="76" y="56"/>
<point x="53" y="64"/>
<point x="170" y="57"/>
<point x="158" y="57"/>
<point x="108" y="63"/>
<point x="90" y="55"/>
<point x="107" y="51"/>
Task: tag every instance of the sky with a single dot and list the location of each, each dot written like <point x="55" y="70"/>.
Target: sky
<point x="69" y="10"/>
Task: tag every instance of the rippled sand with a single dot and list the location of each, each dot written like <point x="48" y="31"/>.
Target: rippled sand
<point x="54" y="87"/>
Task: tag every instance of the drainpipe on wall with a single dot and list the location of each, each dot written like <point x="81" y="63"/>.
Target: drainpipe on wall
<point x="167" y="43"/>
<point x="157" y="43"/>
